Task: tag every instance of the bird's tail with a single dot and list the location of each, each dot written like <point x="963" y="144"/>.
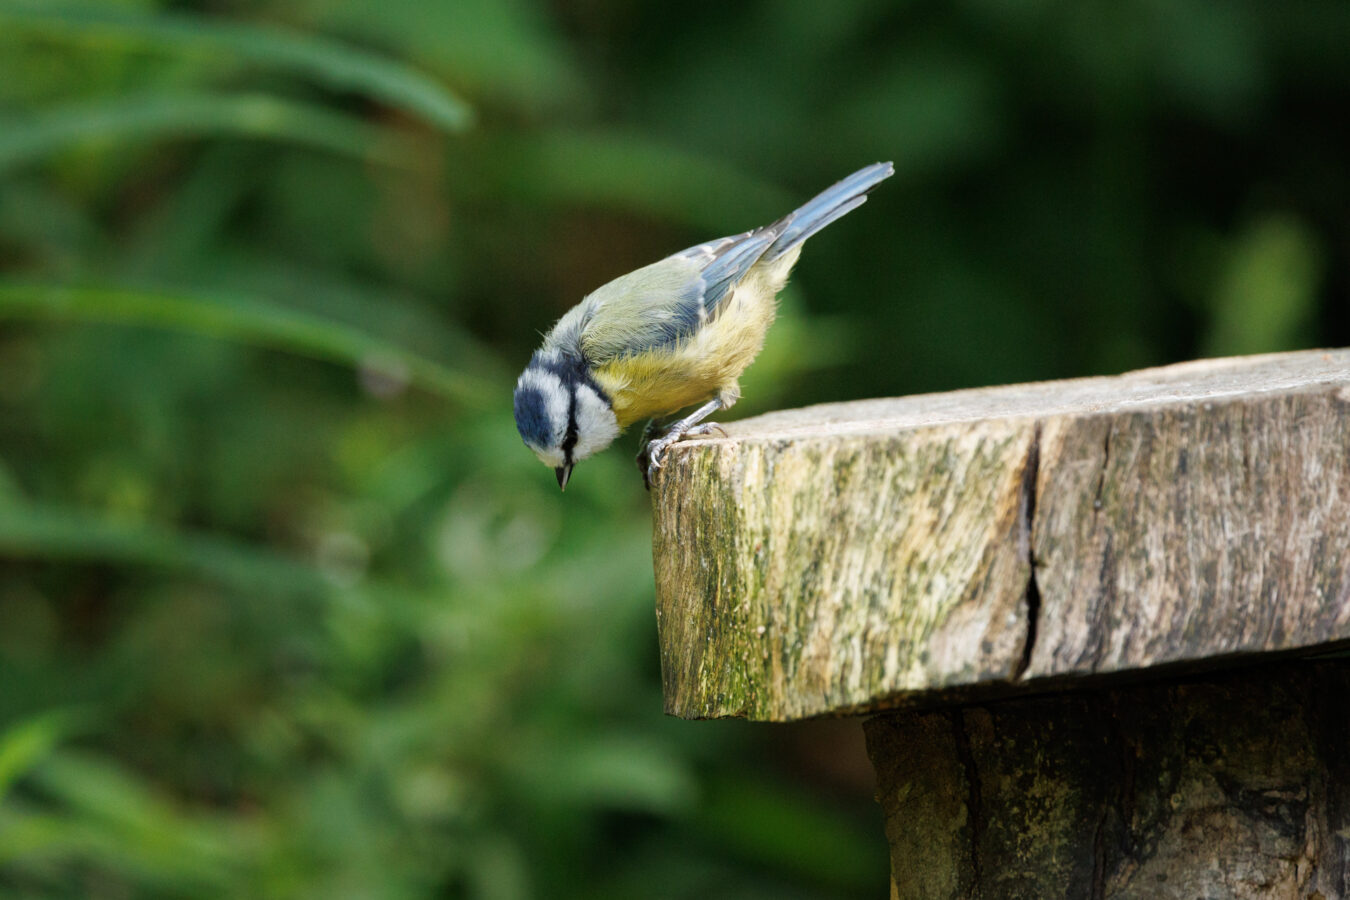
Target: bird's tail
<point x="825" y="207"/>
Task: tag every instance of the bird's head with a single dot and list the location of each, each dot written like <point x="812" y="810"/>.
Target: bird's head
<point x="562" y="414"/>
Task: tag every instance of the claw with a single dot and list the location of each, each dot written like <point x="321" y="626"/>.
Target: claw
<point x="649" y="458"/>
<point x="653" y="448"/>
<point x="657" y="449"/>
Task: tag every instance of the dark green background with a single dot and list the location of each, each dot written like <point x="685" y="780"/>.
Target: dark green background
<point x="286" y="610"/>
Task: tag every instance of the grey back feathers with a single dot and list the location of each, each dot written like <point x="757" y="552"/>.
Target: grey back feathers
<point x="655" y="306"/>
<point x="664" y="303"/>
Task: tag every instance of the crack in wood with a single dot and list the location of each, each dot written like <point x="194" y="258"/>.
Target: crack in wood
<point x="1242" y="442"/>
<point x="1099" y="857"/>
<point x="1118" y="802"/>
<point x="1028" y="522"/>
<point x="974" y="798"/>
<point x="1106" y="463"/>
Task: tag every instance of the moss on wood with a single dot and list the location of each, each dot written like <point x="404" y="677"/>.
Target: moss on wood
<point x="847" y="557"/>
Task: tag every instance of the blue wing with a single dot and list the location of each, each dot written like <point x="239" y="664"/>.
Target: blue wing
<point x="727" y="260"/>
<point x="666" y="302"/>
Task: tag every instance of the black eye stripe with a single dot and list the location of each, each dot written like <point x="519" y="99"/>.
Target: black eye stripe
<point x="570" y="439"/>
<point x="572" y="374"/>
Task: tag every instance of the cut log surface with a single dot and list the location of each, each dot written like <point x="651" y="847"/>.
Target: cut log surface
<point x="859" y="556"/>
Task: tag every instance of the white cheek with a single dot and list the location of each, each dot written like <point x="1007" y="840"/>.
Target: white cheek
<point x="596" y="426"/>
<point x="551" y="458"/>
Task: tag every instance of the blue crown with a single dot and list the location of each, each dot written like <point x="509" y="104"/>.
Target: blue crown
<point x="532" y="417"/>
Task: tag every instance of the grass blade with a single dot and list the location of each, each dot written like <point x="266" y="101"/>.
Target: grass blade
<point x="52" y="533"/>
<point x="322" y="60"/>
<point x="244" y="320"/>
<point x="33" y="137"/>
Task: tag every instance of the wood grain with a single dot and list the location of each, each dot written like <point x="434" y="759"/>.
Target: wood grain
<point x="1234" y="785"/>
<point x="1193" y="531"/>
<point x="789" y="600"/>
<point x="850" y="556"/>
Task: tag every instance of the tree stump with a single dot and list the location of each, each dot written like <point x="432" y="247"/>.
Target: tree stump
<point x="1081" y="611"/>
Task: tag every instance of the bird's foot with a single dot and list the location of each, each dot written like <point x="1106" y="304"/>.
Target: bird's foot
<point x="705" y="428"/>
<point x="651" y="457"/>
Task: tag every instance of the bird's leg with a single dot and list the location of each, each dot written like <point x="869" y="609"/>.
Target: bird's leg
<point x="655" y="447"/>
<point x="648" y="433"/>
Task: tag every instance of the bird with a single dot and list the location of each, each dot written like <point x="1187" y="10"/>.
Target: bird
<point x="668" y="336"/>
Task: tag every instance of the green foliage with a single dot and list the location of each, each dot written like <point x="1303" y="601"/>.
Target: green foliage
<point x="1265" y="293"/>
<point x="331" y="63"/>
<point x="286" y="609"/>
<point x="252" y="322"/>
<point x="178" y="115"/>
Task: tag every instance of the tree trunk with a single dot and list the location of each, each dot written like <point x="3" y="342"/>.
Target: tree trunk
<point x="1233" y="786"/>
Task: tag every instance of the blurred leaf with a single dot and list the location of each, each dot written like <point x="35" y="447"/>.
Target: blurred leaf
<point x="27" y="139"/>
<point x="1264" y="298"/>
<point x="34" y="215"/>
<point x="328" y="62"/>
<point x="244" y="320"/>
<point x="9" y="488"/>
<point x="27" y="743"/>
<point x="120" y="823"/>
<point x="499" y="871"/>
<point x="787" y="830"/>
<point x="624" y="171"/>
<point x="1210" y="55"/>
<point x="935" y="109"/>
<point x="504" y="51"/>
<point x="625" y="772"/>
<point x="43" y="532"/>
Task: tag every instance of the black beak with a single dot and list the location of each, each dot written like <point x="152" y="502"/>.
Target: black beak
<point x="563" y="473"/>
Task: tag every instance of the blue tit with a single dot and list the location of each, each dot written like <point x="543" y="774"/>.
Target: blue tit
<point x="671" y="335"/>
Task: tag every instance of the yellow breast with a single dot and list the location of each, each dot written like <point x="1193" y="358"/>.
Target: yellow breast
<point x="659" y="382"/>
